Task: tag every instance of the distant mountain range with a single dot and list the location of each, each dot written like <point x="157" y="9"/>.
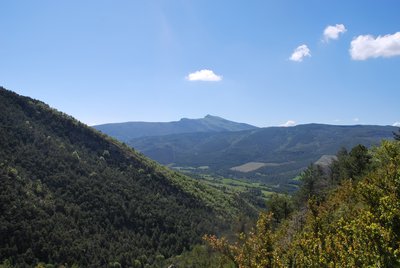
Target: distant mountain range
<point x="130" y="130"/>
<point x="273" y="155"/>
<point x="216" y="146"/>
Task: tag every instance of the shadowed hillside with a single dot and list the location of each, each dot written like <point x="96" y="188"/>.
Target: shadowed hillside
<point x="70" y="195"/>
<point x="273" y="155"/>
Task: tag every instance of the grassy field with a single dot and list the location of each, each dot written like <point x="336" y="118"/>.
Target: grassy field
<point x="248" y="167"/>
<point x="239" y="186"/>
<point x="255" y="193"/>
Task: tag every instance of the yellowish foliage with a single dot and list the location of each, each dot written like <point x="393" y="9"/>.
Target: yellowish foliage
<point x="357" y="226"/>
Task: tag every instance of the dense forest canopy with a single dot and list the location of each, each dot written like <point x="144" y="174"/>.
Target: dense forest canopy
<point x="70" y="195"/>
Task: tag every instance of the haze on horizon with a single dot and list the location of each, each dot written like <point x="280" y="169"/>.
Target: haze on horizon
<point x="265" y="63"/>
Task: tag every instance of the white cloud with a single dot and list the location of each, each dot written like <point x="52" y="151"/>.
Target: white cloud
<point x="356" y="119"/>
<point x="204" y="75"/>
<point x="396" y="124"/>
<point x="299" y="53"/>
<point x="332" y="32"/>
<point x="367" y="46"/>
<point x="289" y="123"/>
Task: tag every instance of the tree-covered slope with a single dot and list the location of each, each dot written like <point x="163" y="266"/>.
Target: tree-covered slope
<point x="282" y="152"/>
<point x="347" y="218"/>
<point x="70" y="195"/>
<point x="130" y="130"/>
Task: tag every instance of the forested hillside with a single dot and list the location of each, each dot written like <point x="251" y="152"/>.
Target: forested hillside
<point x="349" y="217"/>
<point x="70" y="195"/>
<point x="272" y="155"/>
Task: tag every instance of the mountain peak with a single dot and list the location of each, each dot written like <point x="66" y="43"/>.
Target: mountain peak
<point x="211" y="116"/>
<point x="209" y="123"/>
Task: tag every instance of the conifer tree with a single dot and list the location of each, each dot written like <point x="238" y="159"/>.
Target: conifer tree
<point x="396" y="135"/>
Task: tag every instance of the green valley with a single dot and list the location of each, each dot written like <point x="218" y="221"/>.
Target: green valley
<point x="273" y="156"/>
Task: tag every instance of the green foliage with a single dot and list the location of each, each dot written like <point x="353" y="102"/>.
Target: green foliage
<point x="199" y="256"/>
<point x="252" y="250"/>
<point x="316" y="182"/>
<point x="252" y="195"/>
<point x="70" y="195"/>
<point x="356" y="224"/>
<point x="396" y="135"/>
<point x="351" y="165"/>
<point x="281" y="206"/>
<point x="313" y="184"/>
<point x="6" y="264"/>
<point x="286" y="151"/>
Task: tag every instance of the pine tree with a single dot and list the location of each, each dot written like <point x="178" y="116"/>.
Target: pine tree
<point x="397" y="135"/>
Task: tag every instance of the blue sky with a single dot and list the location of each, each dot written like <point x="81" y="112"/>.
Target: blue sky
<point x="116" y="61"/>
